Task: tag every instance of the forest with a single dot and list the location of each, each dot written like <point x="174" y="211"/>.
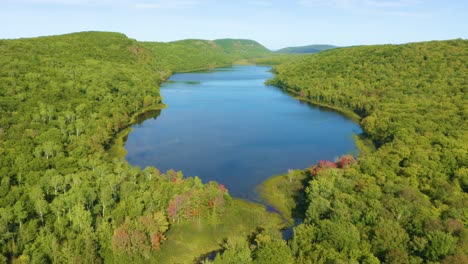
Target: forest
<point x="405" y="200"/>
<point x="65" y="198"/>
<point x="306" y="49"/>
<point x="194" y="54"/>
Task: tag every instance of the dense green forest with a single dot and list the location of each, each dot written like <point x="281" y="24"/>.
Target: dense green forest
<point x="187" y="55"/>
<point x="306" y="49"/>
<point x="63" y="198"/>
<point x="406" y="201"/>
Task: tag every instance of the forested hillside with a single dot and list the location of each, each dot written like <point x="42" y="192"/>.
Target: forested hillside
<point x="306" y="49"/>
<point x="185" y="55"/>
<point x="63" y="199"/>
<point x="405" y="202"/>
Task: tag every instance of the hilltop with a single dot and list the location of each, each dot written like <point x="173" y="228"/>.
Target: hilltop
<point x="192" y="54"/>
<point x="307" y="49"/>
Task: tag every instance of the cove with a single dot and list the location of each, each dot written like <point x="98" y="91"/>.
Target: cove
<point x="227" y="126"/>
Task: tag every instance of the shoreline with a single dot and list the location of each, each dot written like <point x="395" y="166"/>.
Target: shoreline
<point x="266" y="190"/>
<point x="236" y="63"/>
<point x="117" y="148"/>
<point x="344" y="111"/>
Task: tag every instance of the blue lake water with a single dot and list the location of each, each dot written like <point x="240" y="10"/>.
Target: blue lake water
<point x="227" y="126"/>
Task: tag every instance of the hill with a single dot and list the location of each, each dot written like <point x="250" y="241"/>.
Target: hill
<point x="306" y="49"/>
<point x="193" y="54"/>
<point x="405" y="201"/>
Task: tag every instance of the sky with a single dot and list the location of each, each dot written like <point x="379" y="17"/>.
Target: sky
<point x="273" y="23"/>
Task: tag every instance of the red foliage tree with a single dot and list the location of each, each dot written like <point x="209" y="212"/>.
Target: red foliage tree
<point x="322" y="165"/>
<point x="346" y="161"/>
<point x="139" y="242"/>
<point x="222" y="188"/>
<point x="174" y="207"/>
<point x="121" y="239"/>
<point x="156" y="239"/>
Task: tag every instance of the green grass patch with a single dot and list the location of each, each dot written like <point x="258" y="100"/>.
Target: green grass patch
<point x="285" y="193"/>
<point x="187" y="242"/>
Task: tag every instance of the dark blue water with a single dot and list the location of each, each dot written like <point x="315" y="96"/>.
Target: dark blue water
<point x="227" y="126"/>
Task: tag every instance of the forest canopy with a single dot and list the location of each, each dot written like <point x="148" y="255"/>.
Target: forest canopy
<point x="64" y="198"/>
<point x="405" y="202"/>
<point x="63" y="100"/>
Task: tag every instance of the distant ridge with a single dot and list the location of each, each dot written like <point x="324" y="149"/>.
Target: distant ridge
<point x="307" y="49"/>
<point x="189" y="54"/>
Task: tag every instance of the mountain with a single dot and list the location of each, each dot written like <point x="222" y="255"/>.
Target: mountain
<point x="306" y="49"/>
<point x="242" y="46"/>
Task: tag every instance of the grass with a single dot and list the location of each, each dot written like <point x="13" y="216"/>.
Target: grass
<point x="285" y="194"/>
<point x="188" y="242"/>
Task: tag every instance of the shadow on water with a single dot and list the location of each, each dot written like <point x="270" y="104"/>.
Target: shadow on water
<point x="151" y="114"/>
<point x="208" y="256"/>
<point x="141" y="118"/>
<point x="311" y="105"/>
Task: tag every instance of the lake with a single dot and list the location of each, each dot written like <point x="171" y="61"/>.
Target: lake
<point x="227" y="126"/>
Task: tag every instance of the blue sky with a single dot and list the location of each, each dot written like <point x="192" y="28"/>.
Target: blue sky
<point x="273" y="23"/>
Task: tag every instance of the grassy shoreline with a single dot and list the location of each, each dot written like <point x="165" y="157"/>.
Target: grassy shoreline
<point x="268" y="194"/>
<point x="242" y="219"/>
<point x="284" y="193"/>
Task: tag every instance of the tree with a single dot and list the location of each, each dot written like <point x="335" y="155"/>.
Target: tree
<point x="20" y="212"/>
<point x="40" y="204"/>
<point x="388" y="236"/>
<point x="440" y="244"/>
<point x="272" y="249"/>
<point x="236" y="251"/>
